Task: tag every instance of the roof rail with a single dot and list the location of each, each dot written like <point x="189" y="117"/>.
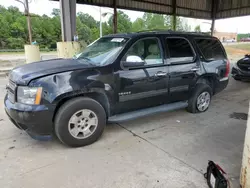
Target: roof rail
<point x="152" y="30"/>
<point x="193" y="32"/>
<point x="171" y="31"/>
<point x="189" y="32"/>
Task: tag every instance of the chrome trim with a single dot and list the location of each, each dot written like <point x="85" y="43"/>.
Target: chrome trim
<point x="224" y="79"/>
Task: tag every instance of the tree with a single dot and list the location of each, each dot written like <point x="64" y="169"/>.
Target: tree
<point x="197" y="28"/>
<point x="156" y="21"/>
<point x="83" y="31"/>
<point x="25" y="3"/>
<point x="56" y="12"/>
<point x="47" y="30"/>
<point x="181" y="24"/>
<point x="5" y="28"/>
<point x="138" y="25"/>
<point x="87" y="20"/>
<point x="106" y="29"/>
<point x="124" y="23"/>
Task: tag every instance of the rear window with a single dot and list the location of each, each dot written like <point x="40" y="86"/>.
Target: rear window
<point x="210" y="49"/>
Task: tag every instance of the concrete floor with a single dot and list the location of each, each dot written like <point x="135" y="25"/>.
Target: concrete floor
<point x="165" y="150"/>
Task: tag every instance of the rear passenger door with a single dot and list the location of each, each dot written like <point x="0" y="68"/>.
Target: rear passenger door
<point x="183" y="67"/>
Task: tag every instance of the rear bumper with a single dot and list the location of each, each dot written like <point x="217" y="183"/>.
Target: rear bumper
<point x="221" y="85"/>
<point x="240" y="74"/>
<point x="36" y="120"/>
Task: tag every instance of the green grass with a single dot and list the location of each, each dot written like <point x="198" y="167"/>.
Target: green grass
<point x="9" y="53"/>
<point x="241" y="46"/>
<point x="20" y="53"/>
<point x="237" y="50"/>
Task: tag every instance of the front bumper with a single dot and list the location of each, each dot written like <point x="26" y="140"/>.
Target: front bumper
<point x="240" y="74"/>
<point x="36" y="120"/>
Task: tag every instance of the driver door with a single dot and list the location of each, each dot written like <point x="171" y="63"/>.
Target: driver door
<point x="143" y="85"/>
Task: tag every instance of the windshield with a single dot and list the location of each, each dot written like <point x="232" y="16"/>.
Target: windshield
<point x="102" y="51"/>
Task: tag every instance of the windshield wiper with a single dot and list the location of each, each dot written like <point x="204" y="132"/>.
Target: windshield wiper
<point x="88" y="60"/>
<point x="84" y="58"/>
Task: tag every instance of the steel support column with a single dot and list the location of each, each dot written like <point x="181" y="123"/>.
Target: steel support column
<point x="68" y="19"/>
<point x="212" y="27"/>
<point x="115" y="17"/>
<point x="174" y="15"/>
<point x="213" y="15"/>
<point x="245" y="168"/>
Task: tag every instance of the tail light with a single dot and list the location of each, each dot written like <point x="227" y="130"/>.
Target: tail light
<point x="227" y="69"/>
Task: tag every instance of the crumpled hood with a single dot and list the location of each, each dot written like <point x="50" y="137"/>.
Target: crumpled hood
<point x="244" y="63"/>
<point x="24" y="74"/>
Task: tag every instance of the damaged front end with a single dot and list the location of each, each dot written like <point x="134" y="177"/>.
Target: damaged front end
<point x="241" y="70"/>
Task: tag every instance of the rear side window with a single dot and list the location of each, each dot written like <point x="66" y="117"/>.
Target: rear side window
<point x="179" y="50"/>
<point x="210" y="48"/>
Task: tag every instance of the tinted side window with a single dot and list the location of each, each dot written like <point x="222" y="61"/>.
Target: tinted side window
<point x="210" y="48"/>
<point x="179" y="50"/>
<point x="146" y="49"/>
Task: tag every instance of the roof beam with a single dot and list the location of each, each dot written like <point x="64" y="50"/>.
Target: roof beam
<point x="153" y="3"/>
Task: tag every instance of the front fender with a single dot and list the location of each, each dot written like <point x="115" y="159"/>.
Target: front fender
<point x="68" y="84"/>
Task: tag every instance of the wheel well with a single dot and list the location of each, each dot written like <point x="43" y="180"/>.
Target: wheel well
<point x="208" y="79"/>
<point x="99" y="97"/>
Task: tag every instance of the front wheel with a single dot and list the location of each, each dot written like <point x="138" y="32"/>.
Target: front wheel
<point x="80" y="122"/>
<point x="201" y="98"/>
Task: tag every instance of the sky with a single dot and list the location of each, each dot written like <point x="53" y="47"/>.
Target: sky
<point x="41" y="7"/>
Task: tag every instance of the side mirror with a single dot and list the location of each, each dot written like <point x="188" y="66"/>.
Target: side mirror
<point x="133" y="61"/>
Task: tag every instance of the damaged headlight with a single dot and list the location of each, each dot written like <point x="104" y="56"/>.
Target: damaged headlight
<point x="29" y="95"/>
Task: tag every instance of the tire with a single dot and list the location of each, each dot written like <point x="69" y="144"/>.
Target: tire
<point x="192" y="102"/>
<point x="74" y="110"/>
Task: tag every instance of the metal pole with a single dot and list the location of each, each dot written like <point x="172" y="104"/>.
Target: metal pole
<point x="100" y="22"/>
<point x="245" y="169"/>
<point x="212" y="27"/>
<point x="115" y="18"/>
<point x="213" y="15"/>
<point x="174" y="15"/>
<point x="73" y="18"/>
<point x="68" y="19"/>
<point x="28" y="20"/>
<point x="174" y="22"/>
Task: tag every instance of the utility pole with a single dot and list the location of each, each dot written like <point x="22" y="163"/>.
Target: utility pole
<point x="27" y="14"/>
<point x="100" y="22"/>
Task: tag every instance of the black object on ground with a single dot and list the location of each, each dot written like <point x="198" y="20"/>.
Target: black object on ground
<point x="215" y="176"/>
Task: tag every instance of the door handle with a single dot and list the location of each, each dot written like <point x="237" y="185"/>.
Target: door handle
<point x="195" y="69"/>
<point x="160" y="73"/>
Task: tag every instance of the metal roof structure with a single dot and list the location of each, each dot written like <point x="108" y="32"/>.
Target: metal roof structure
<point x="202" y="9"/>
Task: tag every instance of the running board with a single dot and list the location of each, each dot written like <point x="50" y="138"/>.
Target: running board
<point x="147" y="111"/>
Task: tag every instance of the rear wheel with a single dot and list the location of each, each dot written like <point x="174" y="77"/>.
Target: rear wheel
<point x="201" y="98"/>
<point x="80" y="122"/>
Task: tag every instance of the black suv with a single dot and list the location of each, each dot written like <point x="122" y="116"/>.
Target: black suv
<point x="118" y="77"/>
